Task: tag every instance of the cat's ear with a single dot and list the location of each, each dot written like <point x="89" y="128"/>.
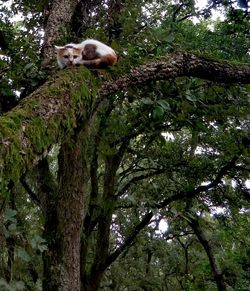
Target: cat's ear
<point x="58" y="48"/>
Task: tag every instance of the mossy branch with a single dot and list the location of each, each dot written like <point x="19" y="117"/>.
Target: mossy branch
<point x="51" y="113"/>
<point x="44" y="118"/>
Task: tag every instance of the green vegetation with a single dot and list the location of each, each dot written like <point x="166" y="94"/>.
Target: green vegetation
<point x="144" y="188"/>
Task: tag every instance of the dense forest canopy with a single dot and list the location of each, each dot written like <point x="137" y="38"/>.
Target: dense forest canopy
<point x="135" y="177"/>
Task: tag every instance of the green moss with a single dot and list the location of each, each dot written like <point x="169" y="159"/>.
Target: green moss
<point x="36" y="133"/>
<point x="30" y="128"/>
<point x="12" y="157"/>
<point x="13" y="120"/>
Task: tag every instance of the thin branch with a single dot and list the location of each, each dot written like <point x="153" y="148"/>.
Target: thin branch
<point x="177" y="10"/>
<point x="202" y="188"/>
<point x="137" y="179"/>
<point x="173" y="236"/>
<point x="53" y="102"/>
<point x="204" y="12"/>
<point x="179" y="196"/>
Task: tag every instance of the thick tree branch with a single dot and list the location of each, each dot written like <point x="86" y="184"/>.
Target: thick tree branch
<point x="179" y="65"/>
<point x="44" y="118"/>
<point x="50" y="114"/>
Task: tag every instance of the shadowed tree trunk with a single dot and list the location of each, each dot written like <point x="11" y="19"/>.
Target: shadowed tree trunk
<point x="55" y="113"/>
<point x="10" y="241"/>
<point x="62" y="112"/>
<point x="61" y="96"/>
<point x="63" y="258"/>
<point x="218" y="275"/>
<point x="93" y="279"/>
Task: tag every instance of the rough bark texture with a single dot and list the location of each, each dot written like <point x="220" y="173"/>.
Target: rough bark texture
<point x="49" y="114"/>
<point x="218" y="276"/>
<point x="2" y="242"/>
<point x="55" y="113"/>
<point x="59" y="18"/>
<point x="72" y="184"/>
<point x="48" y="189"/>
<point x="64" y="219"/>
<point x="44" y="118"/>
<point x="178" y="65"/>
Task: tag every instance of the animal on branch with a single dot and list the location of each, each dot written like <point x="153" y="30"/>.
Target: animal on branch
<point x="91" y="53"/>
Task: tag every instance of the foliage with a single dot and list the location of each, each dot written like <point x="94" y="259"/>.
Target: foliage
<point x="175" y="151"/>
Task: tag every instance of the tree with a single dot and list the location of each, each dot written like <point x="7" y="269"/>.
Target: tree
<point x="93" y="161"/>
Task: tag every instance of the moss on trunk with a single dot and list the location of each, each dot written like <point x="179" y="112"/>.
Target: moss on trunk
<point x="44" y="118"/>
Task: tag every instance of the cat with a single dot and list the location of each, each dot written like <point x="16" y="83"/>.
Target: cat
<point x="91" y="53"/>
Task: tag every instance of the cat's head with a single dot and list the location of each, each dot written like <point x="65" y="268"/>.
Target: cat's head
<point x="67" y="55"/>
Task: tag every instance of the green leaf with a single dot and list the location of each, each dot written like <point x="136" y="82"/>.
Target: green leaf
<point x="147" y="101"/>
<point x="5" y="286"/>
<point x="164" y="104"/>
<point x="132" y="199"/>
<point x="190" y="96"/>
<point x="22" y="254"/>
<point x="10" y="214"/>
<point x="42" y="248"/>
<point x="170" y="38"/>
<point x="39" y="243"/>
<point x="12" y="227"/>
<point x="28" y="66"/>
<point x="158" y="113"/>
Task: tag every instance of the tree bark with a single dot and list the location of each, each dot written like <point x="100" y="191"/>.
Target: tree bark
<point x="51" y="115"/>
<point x="41" y="116"/>
<point x="179" y="65"/>
<point x="59" y="18"/>
<point x="48" y="189"/>
<point x="72" y="187"/>
<point x="65" y="220"/>
<point x="93" y="280"/>
<point x="2" y="242"/>
<point x="218" y="275"/>
<point x="44" y="118"/>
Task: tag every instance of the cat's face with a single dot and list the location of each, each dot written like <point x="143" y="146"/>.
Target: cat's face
<point x="67" y="55"/>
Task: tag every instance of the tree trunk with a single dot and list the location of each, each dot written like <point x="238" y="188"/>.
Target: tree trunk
<point x="65" y="219"/>
<point x="103" y="233"/>
<point x="218" y="275"/>
<point x="45" y="120"/>
<point x="59" y="18"/>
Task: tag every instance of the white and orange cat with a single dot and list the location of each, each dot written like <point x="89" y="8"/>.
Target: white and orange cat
<point x="91" y="53"/>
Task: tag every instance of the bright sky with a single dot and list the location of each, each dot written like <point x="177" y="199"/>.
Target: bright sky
<point x="215" y="13"/>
